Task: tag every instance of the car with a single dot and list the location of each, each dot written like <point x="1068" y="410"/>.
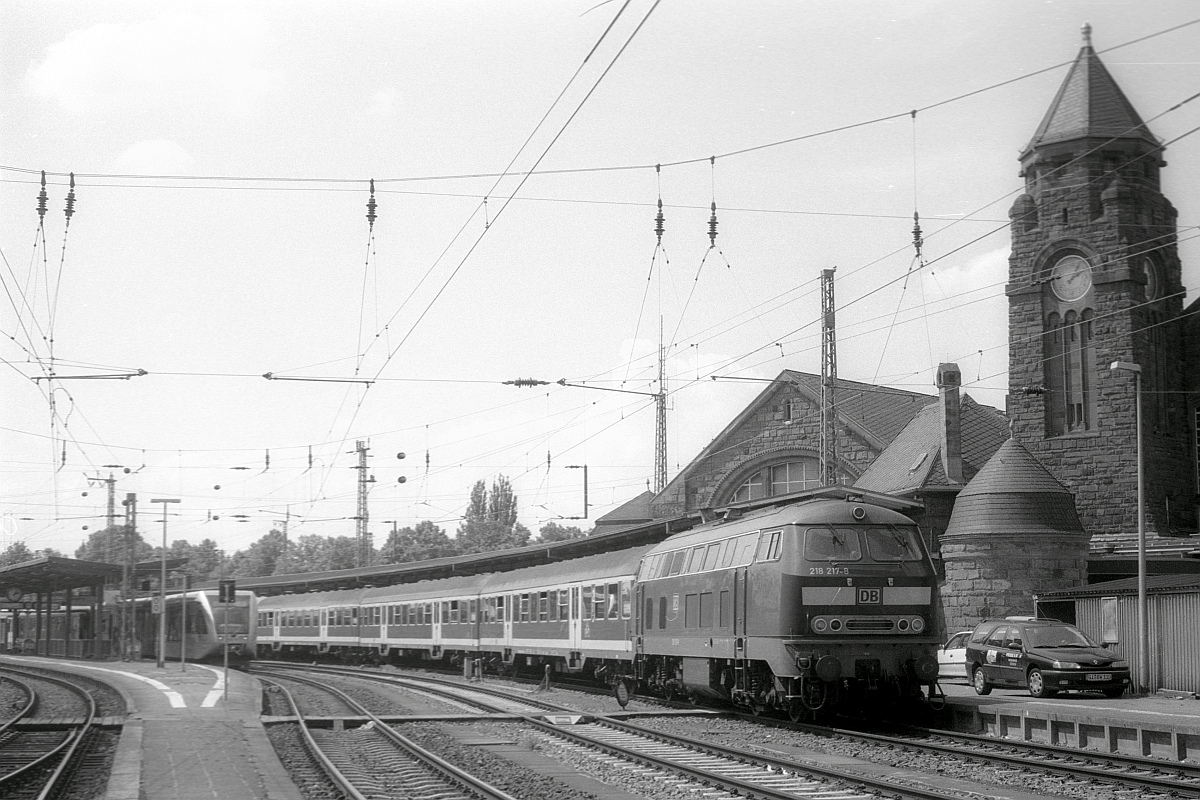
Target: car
<point x="952" y="658"/>
<point x="1044" y="656"/>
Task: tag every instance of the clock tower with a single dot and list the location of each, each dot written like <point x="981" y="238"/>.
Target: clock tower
<point x="1094" y="278"/>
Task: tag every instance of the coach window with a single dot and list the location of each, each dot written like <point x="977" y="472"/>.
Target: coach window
<point x="453" y="611"/>
<point x="474" y="610"/>
<point x="587" y="603"/>
<point x="524" y="608"/>
<point x="626" y="600"/>
<point x="696" y="559"/>
<point x="324" y="617"/>
<point x="543" y="607"/>
<point x="614" y="601"/>
<point x="599" y="604"/>
<point x="564" y="607"/>
<point x="552" y="605"/>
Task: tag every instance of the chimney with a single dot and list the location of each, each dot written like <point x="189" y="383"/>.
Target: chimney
<point x="948" y="380"/>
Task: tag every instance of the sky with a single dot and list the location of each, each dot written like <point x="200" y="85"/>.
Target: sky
<point x="223" y="155"/>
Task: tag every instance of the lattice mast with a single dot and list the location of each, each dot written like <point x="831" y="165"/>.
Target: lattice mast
<point x="660" y="409"/>
<point x="829" y="470"/>
<point x="362" y="534"/>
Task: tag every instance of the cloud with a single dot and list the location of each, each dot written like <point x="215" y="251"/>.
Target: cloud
<point x="154" y="157"/>
<point x="175" y="59"/>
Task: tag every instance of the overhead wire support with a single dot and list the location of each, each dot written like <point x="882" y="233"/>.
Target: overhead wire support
<point x="120" y="376"/>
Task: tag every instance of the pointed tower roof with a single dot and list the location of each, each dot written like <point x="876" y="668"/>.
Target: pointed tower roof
<point x="1013" y="494"/>
<point x="1089" y="104"/>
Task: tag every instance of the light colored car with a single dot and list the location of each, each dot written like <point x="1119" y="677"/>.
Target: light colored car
<point x="952" y="658"/>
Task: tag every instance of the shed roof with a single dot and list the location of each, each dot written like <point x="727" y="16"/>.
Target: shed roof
<point x="1156" y="584"/>
<point x="55" y="573"/>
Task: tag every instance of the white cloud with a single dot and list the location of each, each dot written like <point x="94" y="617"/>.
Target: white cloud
<point x="154" y="157"/>
<point x="174" y="59"/>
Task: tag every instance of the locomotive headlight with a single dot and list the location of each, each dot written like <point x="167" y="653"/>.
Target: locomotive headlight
<point x="820" y="625"/>
<point x="835" y="624"/>
<point x="902" y="624"/>
<point x="918" y="624"/>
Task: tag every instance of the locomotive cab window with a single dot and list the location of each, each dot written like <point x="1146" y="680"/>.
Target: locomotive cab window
<point x="832" y="544"/>
<point x="769" y="547"/>
<point x="894" y="544"/>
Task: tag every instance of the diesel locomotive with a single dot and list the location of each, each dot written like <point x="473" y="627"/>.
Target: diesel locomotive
<point x="793" y="608"/>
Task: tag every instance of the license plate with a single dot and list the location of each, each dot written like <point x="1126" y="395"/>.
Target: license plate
<point x="1099" y="676"/>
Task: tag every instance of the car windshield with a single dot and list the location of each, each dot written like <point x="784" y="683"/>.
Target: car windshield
<point x="1057" y="636"/>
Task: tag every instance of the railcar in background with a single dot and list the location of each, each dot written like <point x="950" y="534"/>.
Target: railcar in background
<point x="199" y="626"/>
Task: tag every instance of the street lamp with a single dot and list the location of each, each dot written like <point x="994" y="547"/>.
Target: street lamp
<point x="1143" y="627"/>
<point x="162" y="587"/>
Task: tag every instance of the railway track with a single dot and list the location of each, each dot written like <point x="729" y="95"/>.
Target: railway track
<point x="372" y="760"/>
<point x="52" y="747"/>
<point x="705" y="768"/>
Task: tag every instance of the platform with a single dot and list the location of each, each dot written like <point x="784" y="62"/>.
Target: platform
<point x="185" y="738"/>
<point x="1151" y="726"/>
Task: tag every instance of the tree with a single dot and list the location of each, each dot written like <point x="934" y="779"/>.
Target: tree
<point x="421" y="543"/>
<point x="491" y="520"/>
<point x="553" y="532"/>
<point x="16" y="553"/>
<point x="259" y="558"/>
<point x="108" y="545"/>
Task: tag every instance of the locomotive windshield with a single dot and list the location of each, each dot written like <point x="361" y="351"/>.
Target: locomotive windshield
<point x="880" y="542"/>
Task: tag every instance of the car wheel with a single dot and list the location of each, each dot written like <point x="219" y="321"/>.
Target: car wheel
<point x="1116" y="691"/>
<point x="980" y="682"/>
<point x="1037" y="684"/>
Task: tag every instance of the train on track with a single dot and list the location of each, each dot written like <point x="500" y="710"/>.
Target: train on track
<point x="209" y="625"/>
<point x="796" y="608"/>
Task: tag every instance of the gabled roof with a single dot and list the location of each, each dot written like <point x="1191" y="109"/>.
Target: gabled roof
<point x="632" y="511"/>
<point x="876" y="413"/>
<point x="1089" y="104"/>
<point x="913" y="462"/>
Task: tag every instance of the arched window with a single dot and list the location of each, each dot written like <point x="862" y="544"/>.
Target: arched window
<point x="1070" y="373"/>
<point x="777" y="479"/>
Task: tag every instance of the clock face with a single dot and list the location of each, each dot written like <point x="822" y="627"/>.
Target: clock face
<point x="1071" y="277"/>
<point x="1151" y="273"/>
<point x="14" y="595"/>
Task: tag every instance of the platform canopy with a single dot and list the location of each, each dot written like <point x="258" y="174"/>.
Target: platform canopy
<point x="53" y="574"/>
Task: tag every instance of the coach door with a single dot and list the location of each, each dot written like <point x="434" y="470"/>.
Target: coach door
<point x="576" y="625"/>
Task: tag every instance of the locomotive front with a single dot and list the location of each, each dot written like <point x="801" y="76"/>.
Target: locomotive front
<point x="849" y="613"/>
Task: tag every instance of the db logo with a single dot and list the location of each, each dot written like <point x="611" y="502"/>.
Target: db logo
<point x="869" y="596"/>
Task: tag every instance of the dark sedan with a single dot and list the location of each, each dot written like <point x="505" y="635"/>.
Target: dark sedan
<point x="1043" y="656"/>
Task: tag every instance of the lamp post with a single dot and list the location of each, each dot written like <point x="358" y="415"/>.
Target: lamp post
<point x="162" y="587"/>
<point x="1143" y="626"/>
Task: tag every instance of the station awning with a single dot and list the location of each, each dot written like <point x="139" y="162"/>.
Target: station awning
<point x="53" y="574"/>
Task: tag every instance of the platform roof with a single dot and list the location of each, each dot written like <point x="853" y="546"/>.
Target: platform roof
<point x="54" y="574"/>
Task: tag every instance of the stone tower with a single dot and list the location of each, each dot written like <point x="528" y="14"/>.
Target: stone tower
<point x="1094" y="278"/>
<point x="1013" y="532"/>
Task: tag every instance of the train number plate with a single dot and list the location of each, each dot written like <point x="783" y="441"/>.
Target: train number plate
<point x="1099" y="676"/>
<point x="868" y="596"/>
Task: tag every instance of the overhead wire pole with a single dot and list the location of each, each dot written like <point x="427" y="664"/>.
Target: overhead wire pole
<point x="660" y="418"/>
<point x="361" y="531"/>
<point x="829" y="469"/>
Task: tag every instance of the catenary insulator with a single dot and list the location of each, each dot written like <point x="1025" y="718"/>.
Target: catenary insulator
<point x="41" y="206"/>
<point x="659" y="228"/>
<point x="70" y="209"/>
<point x="371" y="216"/>
<point x="712" y="226"/>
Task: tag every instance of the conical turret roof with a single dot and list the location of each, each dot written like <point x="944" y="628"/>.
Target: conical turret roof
<point x="1089" y="104"/>
<point x="1013" y="493"/>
